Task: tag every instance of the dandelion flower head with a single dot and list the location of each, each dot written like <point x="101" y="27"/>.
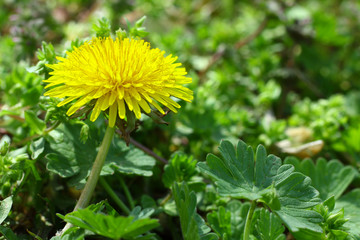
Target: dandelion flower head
<point x="122" y="74"/>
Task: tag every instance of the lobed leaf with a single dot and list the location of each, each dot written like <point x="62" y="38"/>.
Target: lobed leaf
<point x="289" y="195"/>
<point x="329" y="178"/>
<point x="111" y="226"/>
<point x="192" y="225"/>
<point x="351" y="204"/>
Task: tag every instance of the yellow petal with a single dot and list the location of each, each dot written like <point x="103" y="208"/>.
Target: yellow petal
<point x="121" y="108"/>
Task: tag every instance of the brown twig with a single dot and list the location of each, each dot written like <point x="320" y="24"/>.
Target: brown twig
<point x="252" y="36"/>
<point x="217" y="55"/>
<point x="221" y="49"/>
<point x="30" y="138"/>
<point x="144" y="149"/>
<point x="148" y="151"/>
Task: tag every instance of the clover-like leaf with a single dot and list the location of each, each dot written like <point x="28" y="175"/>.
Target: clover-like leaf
<point x="288" y="194"/>
<point x="192" y="225"/>
<point x="328" y="177"/>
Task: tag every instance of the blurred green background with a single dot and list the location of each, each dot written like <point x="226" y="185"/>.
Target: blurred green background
<point x="284" y="74"/>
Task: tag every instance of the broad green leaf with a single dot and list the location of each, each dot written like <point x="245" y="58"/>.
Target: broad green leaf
<point x="351" y="204"/>
<point x="69" y="157"/>
<point x="5" y="206"/>
<point x="287" y="193"/>
<point x="37" y="147"/>
<point x="128" y="159"/>
<point x="37" y="125"/>
<point x="193" y="226"/>
<point x="329" y="178"/>
<point x="110" y="226"/>
<point x="148" y="202"/>
<point x="268" y="226"/>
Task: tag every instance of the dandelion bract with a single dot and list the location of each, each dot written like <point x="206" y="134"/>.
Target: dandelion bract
<point x="121" y="75"/>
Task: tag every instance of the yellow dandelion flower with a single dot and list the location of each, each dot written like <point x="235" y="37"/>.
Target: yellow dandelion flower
<point x="118" y="73"/>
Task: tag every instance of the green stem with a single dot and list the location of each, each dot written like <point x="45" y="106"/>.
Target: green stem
<point x="95" y="173"/>
<point x="113" y="195"/>
<point x="248" y="221"/>
<point x="127" y="192"/>
<point x="166" y="199"/>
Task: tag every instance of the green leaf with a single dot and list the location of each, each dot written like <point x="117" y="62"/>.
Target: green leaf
<point x="269" y="227"/>
<point x="36" y="125"/>
<point x="103" y="29"/>
<point x="77" y="234"/>
<point x="220" y="221"/>
<point x="37" y="147"/>
<point x="69" y="157"/>
<point x="193" y="226"/>
<point x="129" y="160"/>
<point x="110" y="226"/>
<point x="5" y="206"/>
<point x="287" y="193"/>
<point x="229" y="222"/>
<point x="329" y="178"/>
<point x="351" y="204"/>
<point x="8" y="233"/>
<point x="180" y="168"/>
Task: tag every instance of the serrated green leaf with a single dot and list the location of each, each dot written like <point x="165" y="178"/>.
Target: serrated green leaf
<point x="351" y="204"/>
<point x="110" y="226"/>
<point x="238" y="176"/>
<point x="36" y="125"/>
<point x="180" y="168"/>
<point x="5" y="207"/>
<point x="229" y="222"/>
<point x="220" y="222"/>
<point x="193" y="226"/>
<point x="329" y="178"/>
<point x="103" y="29"/>
<point x="268" y="226"/>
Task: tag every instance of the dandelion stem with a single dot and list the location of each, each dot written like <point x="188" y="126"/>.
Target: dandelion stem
<point x="113" y="195"/>
<point x="248" y="221"/>
<point x="95" y="173"/>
